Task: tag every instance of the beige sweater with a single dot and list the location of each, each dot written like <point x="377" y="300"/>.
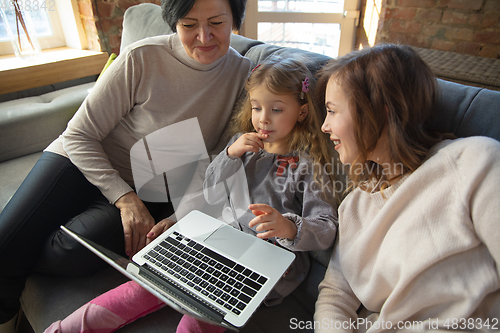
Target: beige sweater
<point x="426" y="253"/>
<point x="152" y="84"/>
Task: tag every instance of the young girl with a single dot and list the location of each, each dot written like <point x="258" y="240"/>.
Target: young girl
<point x="293" y="200"/>
<point x="418" y="244"/>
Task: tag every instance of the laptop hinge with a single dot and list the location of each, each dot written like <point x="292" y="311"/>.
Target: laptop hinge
<point x="183" y="295"/>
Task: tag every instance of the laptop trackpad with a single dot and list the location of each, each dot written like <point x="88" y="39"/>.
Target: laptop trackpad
<point x="231" y="241"/>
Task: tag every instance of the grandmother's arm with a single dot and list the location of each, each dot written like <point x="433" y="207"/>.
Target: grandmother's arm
<point x="105" y="106"/>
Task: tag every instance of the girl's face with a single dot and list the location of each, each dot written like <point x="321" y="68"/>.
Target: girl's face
<point x="276" y="116"/>
<point x="339" y="124"/>
<point x="206" y="30"/>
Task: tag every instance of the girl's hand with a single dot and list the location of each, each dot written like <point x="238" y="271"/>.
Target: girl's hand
<point x="271" y="220"/>
<point x="247" y="142"/>
<point x="158" y="229"/>
<point x="136" y="221"/>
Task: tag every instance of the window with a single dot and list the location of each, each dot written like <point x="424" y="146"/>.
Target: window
<point x="322" y="26"/>
<point x="41" y="14"/>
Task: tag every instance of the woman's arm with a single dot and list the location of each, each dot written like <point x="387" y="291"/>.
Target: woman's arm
<point x="108" y="102"/>
<point x="136" y="221"/>
<point x="105" y="106"/>
<point x="336" y="305"/>
<point x="479" y="179"/>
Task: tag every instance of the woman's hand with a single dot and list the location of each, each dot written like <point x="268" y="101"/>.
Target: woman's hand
<point x="271" y="222"/>
<point x="136" y="221"/>
<point x="246" y="142"/>
<point x="158" y="229"/>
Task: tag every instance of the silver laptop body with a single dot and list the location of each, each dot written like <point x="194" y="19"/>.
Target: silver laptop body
<point x="204" y="268"/>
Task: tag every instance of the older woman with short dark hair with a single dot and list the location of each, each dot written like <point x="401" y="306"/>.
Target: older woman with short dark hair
<point x="84" y="178"/>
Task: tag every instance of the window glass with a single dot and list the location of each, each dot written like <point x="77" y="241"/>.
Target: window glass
<point x="302" y="6"/>
<point x="322" y="38"/>
<point x="39" y="18"/>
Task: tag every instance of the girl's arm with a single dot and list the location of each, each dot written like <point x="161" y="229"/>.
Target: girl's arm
<point x="222" y="168"/>
<point x="336" y="305"/>
<point x="226" y="173"/>
<point x="318" y="223"/>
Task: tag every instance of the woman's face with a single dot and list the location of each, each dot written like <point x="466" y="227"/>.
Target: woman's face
<point x="339" y="124"/>
<point x="206" y="30"/>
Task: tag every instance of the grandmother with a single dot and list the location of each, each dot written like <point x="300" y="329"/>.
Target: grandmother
<point x="84" y="179"/>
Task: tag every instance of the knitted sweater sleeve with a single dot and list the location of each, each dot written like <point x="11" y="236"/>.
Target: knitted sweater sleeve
<point x="317" y="224"/>
<point x="478" y="177"/>
<point x="107" y="103"/>
<point x="222" y="173"/>
<point x="336" y="305"/>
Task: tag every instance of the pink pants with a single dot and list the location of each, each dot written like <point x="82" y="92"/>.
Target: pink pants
<point x="119" y="307"/>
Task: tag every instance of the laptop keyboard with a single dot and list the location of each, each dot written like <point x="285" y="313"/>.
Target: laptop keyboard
<point x="220" y="279"/>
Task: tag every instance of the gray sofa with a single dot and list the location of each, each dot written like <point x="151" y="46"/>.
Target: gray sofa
<point x="462" y="110"/>
<point x="29" y="124"/>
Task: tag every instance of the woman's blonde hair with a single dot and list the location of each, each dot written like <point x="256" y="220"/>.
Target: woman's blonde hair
<point x="386" y="86"/>
<point x="285" y="76"/>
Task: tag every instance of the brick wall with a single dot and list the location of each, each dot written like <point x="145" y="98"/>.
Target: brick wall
<point x="102" y="22"/>
<point x="462" y="26"/>
<point x="89" y="26"/>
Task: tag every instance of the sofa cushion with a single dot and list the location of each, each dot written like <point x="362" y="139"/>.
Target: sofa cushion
<point x="466" y="110"/>
<point x="12" y="174"/>
<point x="141" y="21"/>
<point x="243" y="44"/>
<point x="30" y="124"/>
<point x="260" y="52"/>
<point x="111" y="58"/>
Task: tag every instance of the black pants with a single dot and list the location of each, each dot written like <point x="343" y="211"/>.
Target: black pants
<point x="55" y="192"/>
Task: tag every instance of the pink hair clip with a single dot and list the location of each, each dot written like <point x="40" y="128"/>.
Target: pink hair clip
<point x="256" y="67"/>
<point x="305" y="87"/>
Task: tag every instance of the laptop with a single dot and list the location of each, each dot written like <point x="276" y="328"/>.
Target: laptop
<point x="204" y="268"/>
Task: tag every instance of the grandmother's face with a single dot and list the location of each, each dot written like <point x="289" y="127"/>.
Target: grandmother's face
<point x="206" y="30"/>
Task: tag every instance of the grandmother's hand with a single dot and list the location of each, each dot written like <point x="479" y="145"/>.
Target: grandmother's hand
<point x="158" y="229"/>
<point x="136" y="221"/>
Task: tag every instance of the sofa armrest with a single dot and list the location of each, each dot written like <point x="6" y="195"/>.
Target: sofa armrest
<point x="30" y="124"/>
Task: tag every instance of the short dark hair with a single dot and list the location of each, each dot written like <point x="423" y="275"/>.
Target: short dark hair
<point x="174" y="10"/>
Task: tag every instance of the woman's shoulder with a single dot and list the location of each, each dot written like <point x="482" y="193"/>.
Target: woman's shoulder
<point x="235" y="60"/>
<point x="163" y="41"/>
<point x="467" y="156"/>
<point x="233" y="53"/>
<point x="465" y="147"/>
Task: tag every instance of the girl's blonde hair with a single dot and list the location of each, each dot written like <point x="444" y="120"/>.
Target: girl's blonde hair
<point x="386" y="86"/>
<point x="285" y="76"/>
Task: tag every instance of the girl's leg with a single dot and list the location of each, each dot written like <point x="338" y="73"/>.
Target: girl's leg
<point x="191" y="325"/>
<point x="109" y="311"/>
<point x="52" y="194"/>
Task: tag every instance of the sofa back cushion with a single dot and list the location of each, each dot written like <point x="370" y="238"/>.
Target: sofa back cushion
<point x="467" y="111"/>
<point x="141" y="21"/>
